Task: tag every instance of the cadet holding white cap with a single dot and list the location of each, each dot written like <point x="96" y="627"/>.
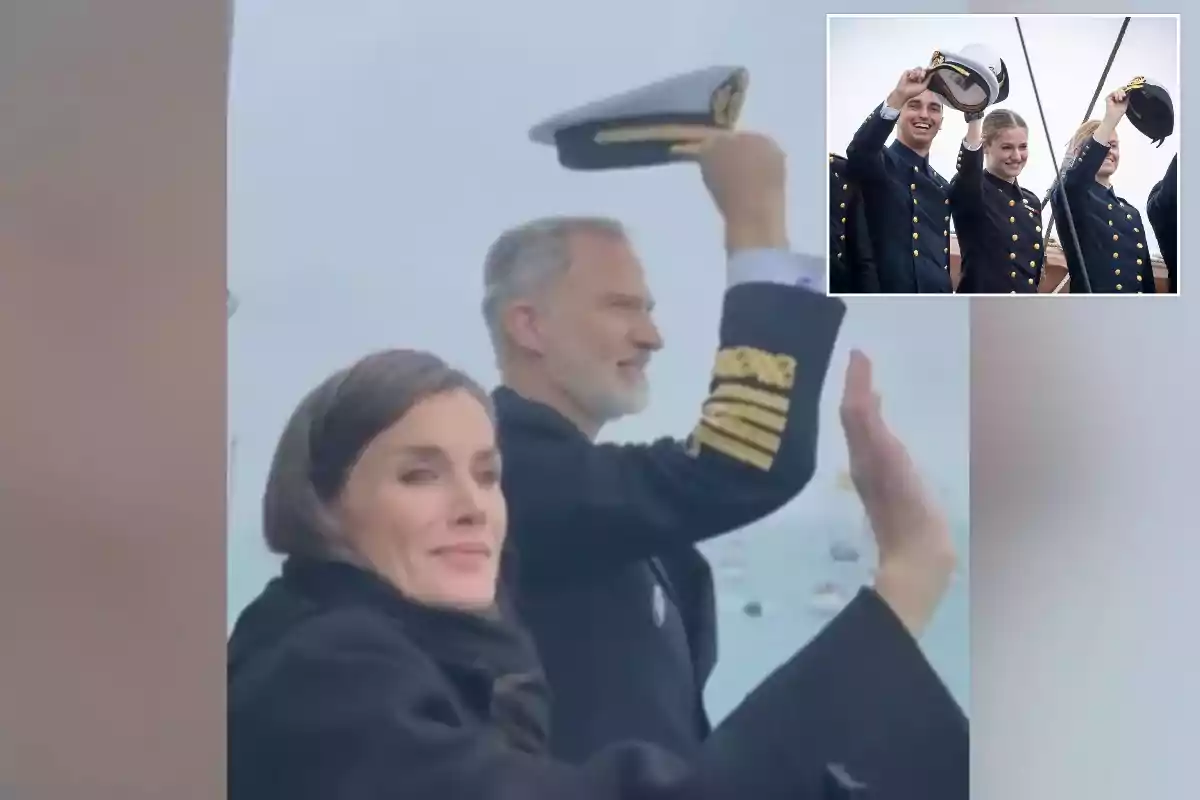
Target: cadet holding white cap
<point x="905" y="199"/>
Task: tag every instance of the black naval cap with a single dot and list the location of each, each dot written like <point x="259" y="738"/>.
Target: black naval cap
<point x="661" y="123"/>
<point x="1150" y="109"/>
<point x="970" y="79"/>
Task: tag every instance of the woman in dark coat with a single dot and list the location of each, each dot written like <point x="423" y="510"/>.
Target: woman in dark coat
<point x="383" y="664"/>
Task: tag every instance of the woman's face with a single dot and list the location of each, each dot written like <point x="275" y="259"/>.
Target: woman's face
<point x="423" y="504"/>
<point x="1007" y="153"/>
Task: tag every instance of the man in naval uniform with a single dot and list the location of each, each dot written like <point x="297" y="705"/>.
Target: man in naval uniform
<point x="851" y="263"/>
<point x="603" y="556"/>
<point x="906" y="200"/>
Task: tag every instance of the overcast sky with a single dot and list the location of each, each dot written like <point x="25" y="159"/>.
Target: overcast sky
<point x="1068" y="54"/>
<point x="377" y="148"/>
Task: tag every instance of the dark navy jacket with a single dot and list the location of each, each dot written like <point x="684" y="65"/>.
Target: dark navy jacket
<point x="907" y="207"/>
<point x="617" y="596"/>
<point x="851" y="263"/>
<point x="999" y="228"/>
<point x="1162" y="208"/>
<point x="1110" y="233"/>
<point x="338" y="687"/>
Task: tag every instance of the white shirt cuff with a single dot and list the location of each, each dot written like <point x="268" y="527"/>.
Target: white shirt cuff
<point x="776" y="266"/>
<point x="973" y="148"/>
<point x="887" y="112"/>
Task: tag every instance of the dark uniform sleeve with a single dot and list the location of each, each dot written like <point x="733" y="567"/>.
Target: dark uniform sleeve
<point x="580" y="508"/>
<point x="865" y="153"/>
<point x="860" y="699"/>
<point x="862" y="261"/>
<point x="1161" y="211"/>
<point x="1083" y="169"/>
<point x="966" y="189"/>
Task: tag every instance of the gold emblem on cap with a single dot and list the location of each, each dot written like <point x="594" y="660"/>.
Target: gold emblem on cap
<point x="1138" y="82"/>
<point x="727" y="99"/>
<point x="685" y="139"/>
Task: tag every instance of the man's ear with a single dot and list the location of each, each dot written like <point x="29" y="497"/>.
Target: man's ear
<point x="523" y="326"/>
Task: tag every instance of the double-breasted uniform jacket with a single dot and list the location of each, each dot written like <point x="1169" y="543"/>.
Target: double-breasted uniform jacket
<point x="1162" y="208"/>
<point x="1109" y="232"/>
<point x="339" y="687"/>
<point x="851" y="263"/>
<point x="999" y="229"/>
<point x="907" y="208"/>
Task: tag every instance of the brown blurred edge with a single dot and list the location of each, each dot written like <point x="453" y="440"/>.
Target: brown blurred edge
<point x="112" y="399"/>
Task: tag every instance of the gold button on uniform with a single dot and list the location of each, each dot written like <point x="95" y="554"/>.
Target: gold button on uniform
<point x="915" y="234"/>
<point x="1012" y="202"/>
<point x="1012" y="274"/>
<point x="915" y="219"/>
<point x="1031" y="281"/>
<point x="1036" y="245"/>
<point x="1012" y="219"/>
<point x="1118" y="287"/>
<point x="1115" y="237"/>
<point x="1011" y="256"/>
<point x="915" y="253"/>
<point x="1140" y="246"/>
<point x="1014" y="237"/>
<point x="912" y="186"/>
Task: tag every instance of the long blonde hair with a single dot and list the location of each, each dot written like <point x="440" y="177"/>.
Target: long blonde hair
<point x="1081" y="135"/>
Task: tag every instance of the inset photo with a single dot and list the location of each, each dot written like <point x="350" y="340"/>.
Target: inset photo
<point x="988" y="154"/>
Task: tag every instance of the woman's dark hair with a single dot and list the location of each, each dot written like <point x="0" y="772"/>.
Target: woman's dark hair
<point x="328" y="432"/>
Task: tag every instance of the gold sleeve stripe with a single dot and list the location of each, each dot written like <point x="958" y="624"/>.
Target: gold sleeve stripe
<point x="748" y="394"/>
<point x="707" y="437"/>
<point x="770" y="369"/>
<point x="764" y="440"/>
<point x="759" y="416"/>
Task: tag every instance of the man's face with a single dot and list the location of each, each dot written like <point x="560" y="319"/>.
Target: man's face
<point x="597" y="331"/>
<point x="920" y="120"/>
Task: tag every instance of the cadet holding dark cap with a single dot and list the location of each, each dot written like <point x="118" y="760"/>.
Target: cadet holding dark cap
<point x="1109" y="244"/>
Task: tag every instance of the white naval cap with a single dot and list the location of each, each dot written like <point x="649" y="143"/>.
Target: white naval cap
<point x="655" y="124"/>
<point x="970" y="79"/>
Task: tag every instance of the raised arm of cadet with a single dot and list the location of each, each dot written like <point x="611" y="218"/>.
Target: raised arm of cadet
<point x="1162" y="213"/>
<point x="966" y="188"/>
<point x="859" y="708"/>
<point x="865" y="153"/>
<point x="1081" y="174"/>
<point x="753" y="448"/>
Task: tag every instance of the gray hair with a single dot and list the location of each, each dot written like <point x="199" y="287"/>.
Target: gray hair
<point x="527" y="257"/>
<point x="328" y="432"/>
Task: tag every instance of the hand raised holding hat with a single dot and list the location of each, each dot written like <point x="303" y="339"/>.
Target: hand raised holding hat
<point x="1116" y="104"/>
<point x="916" y="553"/>
<point x="912" y="82"/>
<point x="746" y="175"/>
